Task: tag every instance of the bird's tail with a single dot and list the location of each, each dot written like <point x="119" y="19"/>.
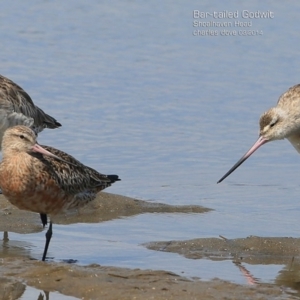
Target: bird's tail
<point x="46" y="120"/>
<point x="113" y="178"/>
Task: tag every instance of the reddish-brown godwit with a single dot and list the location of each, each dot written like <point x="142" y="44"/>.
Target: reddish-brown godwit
<point x="278" y="123"/>
<point x="43" y="179"/>
<point x="17" y="108"/>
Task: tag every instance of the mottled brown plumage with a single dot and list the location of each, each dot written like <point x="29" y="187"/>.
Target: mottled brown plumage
<point x="279" y="122"/>
<point x="17" y="108"/>
<point x="43" y="179"/>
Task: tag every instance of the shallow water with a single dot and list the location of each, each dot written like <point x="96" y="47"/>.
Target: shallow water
<point x="140" y="96"/>
<point x="32" y="293"/>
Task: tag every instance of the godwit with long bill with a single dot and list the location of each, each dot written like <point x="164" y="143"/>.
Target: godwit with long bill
<point x="279" y="122"/>
<point x="45" y="180"/>
<point x="17" y="108"/>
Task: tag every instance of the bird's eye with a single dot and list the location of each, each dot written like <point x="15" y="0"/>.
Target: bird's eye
<point x="22" y="136"/>
<point x="272" y="124"/>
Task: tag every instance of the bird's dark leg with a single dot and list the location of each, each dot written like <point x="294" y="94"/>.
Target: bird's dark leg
<point x="48" y="238"/>
<point x="44" y="219"/>
<point x="5" y="236"/>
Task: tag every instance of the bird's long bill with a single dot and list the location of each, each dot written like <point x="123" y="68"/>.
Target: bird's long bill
<point x="261" y="140"/>
<point x="39" y="149"/>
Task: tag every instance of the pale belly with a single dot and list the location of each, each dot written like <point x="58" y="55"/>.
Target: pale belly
<point x="295" y="141"/>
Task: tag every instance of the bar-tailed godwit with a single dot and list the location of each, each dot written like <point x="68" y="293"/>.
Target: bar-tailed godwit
<point x="43" y="179"/>
<point x="279" y="122"/>
<point x="17" y="108"/>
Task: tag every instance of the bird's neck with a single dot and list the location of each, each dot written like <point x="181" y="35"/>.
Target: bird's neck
<point x="10" y="153"/>
<point x="295" y="141"/>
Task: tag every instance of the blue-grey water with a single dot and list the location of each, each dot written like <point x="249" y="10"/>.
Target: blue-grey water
<point x="140" y="95"/>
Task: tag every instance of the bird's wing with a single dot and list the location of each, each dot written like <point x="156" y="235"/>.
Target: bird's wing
<point x="290" y="98"/>
<point x="71" y="175"/>
<point x="15" y="98"/>
<point x="13" y="95"/>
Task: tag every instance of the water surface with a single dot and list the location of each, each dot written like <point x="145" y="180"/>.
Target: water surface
<point x="139" y="95"/>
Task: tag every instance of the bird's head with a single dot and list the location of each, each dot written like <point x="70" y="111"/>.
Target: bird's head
<point x="276" y="125"/>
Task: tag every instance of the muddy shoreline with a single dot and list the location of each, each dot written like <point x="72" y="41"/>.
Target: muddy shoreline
<point x="17" y="269"/>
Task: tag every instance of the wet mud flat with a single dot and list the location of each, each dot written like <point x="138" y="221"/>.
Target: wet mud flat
<point x="252" y="250"/>
<point x="98" y="282"/>
<point x="18" y="270"/>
